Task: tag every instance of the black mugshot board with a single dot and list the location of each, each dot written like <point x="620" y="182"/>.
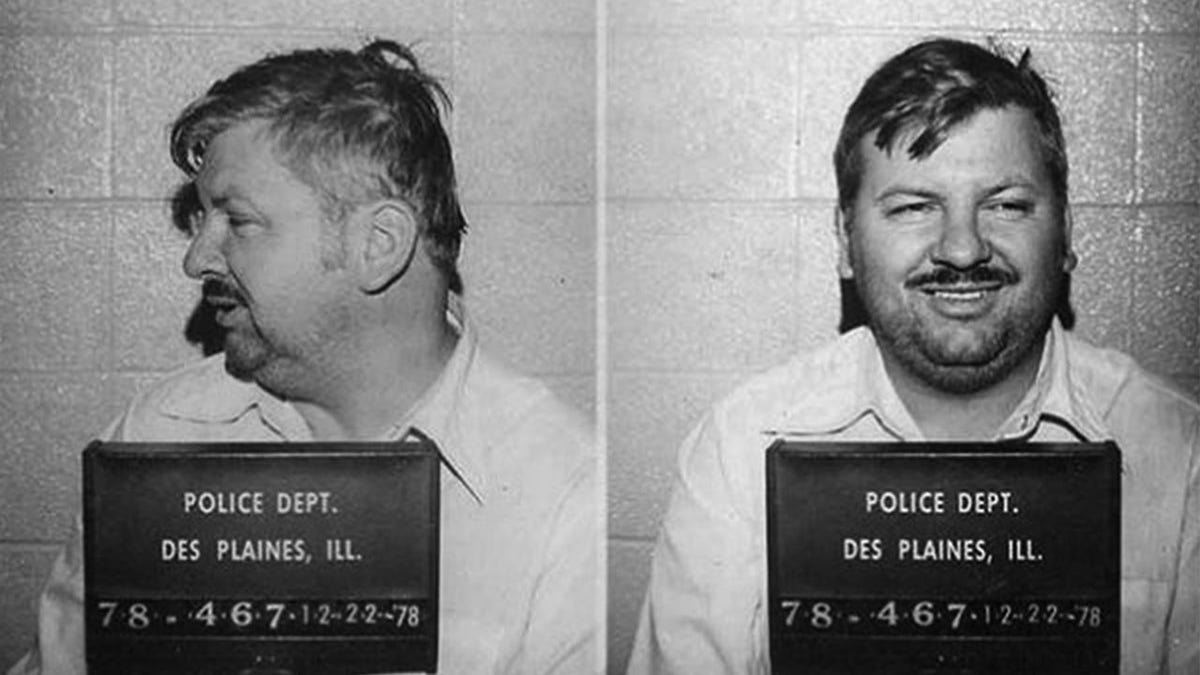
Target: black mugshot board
<point x="261" y="558"/>
<point x="943" y="558"/>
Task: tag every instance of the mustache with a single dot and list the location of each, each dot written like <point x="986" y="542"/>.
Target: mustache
<point x="221" y="289"/>
<point x="949" y="276"/>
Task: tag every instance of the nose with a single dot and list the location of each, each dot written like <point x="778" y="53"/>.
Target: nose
<point x="961" y="244"/>
<point x="204" y="256"/>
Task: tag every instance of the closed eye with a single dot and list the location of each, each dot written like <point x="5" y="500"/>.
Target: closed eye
<point x="1012" y="208"/>
<point x="909" y="209"/>
<point x="240" y="221"/>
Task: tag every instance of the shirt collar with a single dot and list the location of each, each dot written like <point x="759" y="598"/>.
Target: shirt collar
<point x="1056" y="397"/>
<point x="439" y="413"/>
<point x="215" y="397"/>
<point x="855" y="384"/>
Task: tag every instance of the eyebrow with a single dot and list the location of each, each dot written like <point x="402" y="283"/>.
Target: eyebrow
<point x="1007" y="183"/>
<point x="223" y="200"/>
<point x="903" y="191"/>
<point x="1013" y="183"/>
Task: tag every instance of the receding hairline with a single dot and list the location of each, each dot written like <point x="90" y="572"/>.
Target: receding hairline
<point x="296" y="167"/>
<point x="935" y="85"/>
<point x="904" y="139"/>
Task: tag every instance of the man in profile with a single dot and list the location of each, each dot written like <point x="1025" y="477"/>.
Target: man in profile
<point x="325" y="238"/>
<point x="954" y="230"/>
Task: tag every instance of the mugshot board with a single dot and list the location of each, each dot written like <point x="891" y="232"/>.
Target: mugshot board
<point x="943" y="558"/>
<point x="279" y="558"/>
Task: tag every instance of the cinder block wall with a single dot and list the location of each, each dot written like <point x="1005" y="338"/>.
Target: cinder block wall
<point x="721" y="121"/>
<point x="93" y="301"/>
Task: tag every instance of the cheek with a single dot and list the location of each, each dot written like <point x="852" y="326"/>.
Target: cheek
<point x="879" y="287"/>
<point x="1039" y="254"/>
<point x="884" y="257"/>
<point x="882" y="264"/>
<point x="273" y="283"/>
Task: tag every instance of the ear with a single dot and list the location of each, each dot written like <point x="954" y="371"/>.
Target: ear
<point x="1069" y="257"/>
<point x="843" y="223"/>
<point x="390" y="241"/>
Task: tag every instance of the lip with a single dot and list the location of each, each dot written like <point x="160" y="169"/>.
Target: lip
<point x="962" y="301"/>
<point x="225" y="312"/>
<point x="221" y="301"/>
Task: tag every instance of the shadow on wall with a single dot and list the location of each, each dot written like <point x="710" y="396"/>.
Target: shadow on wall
<point x="202" y="328"/>
<point x="853" y="314"/>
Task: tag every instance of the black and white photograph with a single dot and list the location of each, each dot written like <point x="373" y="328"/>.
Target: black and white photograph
<point x="622" y="337"/>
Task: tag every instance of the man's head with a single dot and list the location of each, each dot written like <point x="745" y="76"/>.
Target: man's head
<point x="326" y="208"/>
<point x="952" y="193"/>
<point x="915" y="100"/>
<point x="354" y="126"/>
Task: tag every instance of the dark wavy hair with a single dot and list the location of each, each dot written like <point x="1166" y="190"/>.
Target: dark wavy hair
<point x="354" y="126"/>
<point x="933" y="86"/>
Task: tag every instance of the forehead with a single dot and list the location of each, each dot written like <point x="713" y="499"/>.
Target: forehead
<point x="994" y="145"/>
<point x="243" y="158"/>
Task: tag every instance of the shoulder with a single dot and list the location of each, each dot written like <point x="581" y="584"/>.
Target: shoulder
<point x="817" y="385"/>
<point x="521" y="413"/>
<point x="1138" y="407"/>
<point x="197" y="391"/>
<point x="809" y="382"/>
<point x="1115" y="381"/>
<point x="517" y="398"/>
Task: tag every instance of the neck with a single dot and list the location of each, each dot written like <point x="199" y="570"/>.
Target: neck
<point x="379" y="378"/>
<point x="952" y="416"/>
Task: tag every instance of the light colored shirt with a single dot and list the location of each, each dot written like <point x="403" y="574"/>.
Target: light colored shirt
<point x="518" y="576"/>
<point x="705" y="610"/>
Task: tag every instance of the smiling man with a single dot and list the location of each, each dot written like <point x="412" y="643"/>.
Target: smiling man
<point x="954" y="229"/>
<point x="325" y="239"/>
<point x="959" y="258"/>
